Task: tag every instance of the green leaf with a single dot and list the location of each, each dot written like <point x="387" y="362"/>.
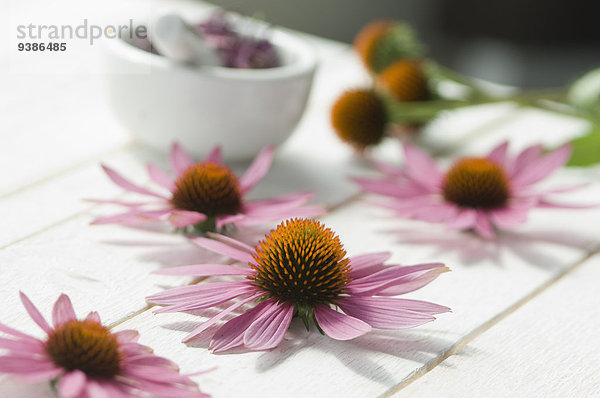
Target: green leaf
<point x="586" y="149"/>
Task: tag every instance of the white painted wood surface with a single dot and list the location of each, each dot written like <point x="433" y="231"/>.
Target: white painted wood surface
<point x="547" y="348"/>
<point x="50" y="163"/>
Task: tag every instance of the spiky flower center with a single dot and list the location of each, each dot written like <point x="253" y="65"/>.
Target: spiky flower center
<point x="208" y="188"/>
<point x="476" y="183"/>
<point x="86" y="346"/>
<point x="359" y="118"/>
<point x="405" y="81"/>
<point x="301" y="262"/>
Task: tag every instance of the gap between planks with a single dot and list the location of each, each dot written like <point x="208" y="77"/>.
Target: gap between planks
<point x="488" y="325"/>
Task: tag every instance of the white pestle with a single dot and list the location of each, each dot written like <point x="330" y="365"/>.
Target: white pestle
<point x="175" y="39"/>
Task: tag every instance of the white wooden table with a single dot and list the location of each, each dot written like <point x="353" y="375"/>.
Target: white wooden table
<point x="526" y="310"/>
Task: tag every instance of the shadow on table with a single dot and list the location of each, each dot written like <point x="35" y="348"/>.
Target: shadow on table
<point x="359" y="355"/>
<point x="420" y="346"/>
<point x="534" y="247"/>
<point x="176" y="250"/>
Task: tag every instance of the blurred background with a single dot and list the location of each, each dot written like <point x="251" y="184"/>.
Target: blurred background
<point x="527" y="43"/>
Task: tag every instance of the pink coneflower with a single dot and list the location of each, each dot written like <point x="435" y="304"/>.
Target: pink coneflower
<point x="300" y="269"/>
<point x="207" y="196"/>
<point x="478" y="193"/>
<point x="89" y="360"/>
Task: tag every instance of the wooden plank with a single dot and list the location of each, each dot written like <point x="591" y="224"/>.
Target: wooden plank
<point x="86" y="263"/>
<point x="65" y="127"/>
<point x="547" y="348"/>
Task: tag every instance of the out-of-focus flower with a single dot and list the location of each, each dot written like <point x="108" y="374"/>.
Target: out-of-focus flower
<point x="405" y="81"/>
<point x="359" y="118"/>
<point x="206" y="196"/>
<point x="89" y="360"/>
<point x="300" y="269"/>
<point x="479" y="193"/>
<point x="382" y="43"/>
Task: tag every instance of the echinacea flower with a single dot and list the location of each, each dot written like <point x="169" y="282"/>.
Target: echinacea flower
<point x="405" y="81"/>
<point x="381" y="43"/>
<point x="477" y="193"/>
<point x="359" y="117"/>
<point x="206" y="196"/>
<point x="300" y="269"/>
<point x="89" y="360"/>
<point x="363" y="117"/>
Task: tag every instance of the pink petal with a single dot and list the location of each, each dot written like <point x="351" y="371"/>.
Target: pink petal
<point x="95" y="390"/>
<point x="215" y="156"/>
<point x="511" y="215"/>
<point x="22" y="346"/>
<point x="498" y="154"/>
<point x="465" y="219"/>
<point x="339" y="326"/>
<point x="483" y="225"/>
<point x="230" y="241"/>
<point x="424" y="209"/>
<point x="159" y="176"/>
<point x="542" y="168"/>
<point x="421" y="168"/>
<point x="24" y="365"/>
<point x="284" y="202"/>
<point x="231" y="334"/>
<point x="93" y="316"/>
<point x="180" y="161"/>
<point x="72" y="384"/>
<point x="395" y="189"/>
<point x="525" y="158"/>
<point x="145" y="360"/>
<point x="205" y="270"/>
<point x="219" y="316"/>
<point x="194" y="292"/>
<point x="127" y="185"/>
<point x="367" y="264"/>
<point x="268" y="330"/>
<point x="14" y="332"/>
<point x="111" y="389"/>
<point x="257" y="169"/>
<point x="34" y="313"/>
<point x="133" y="216"/>
<point x="222" y="248"/>
<point x="388" y="313"/>
<point x="387" y="168"/>
<point x="63" y="311"/>
<point x="191" y="302"/>
<point x="126" y="336"/>
<point x="403" y="278"/>
<point x="410" y="283"/>
<point x="183" y="218"/>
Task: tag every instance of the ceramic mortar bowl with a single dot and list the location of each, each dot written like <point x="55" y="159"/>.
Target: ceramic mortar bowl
<point x="160" y="101"/>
